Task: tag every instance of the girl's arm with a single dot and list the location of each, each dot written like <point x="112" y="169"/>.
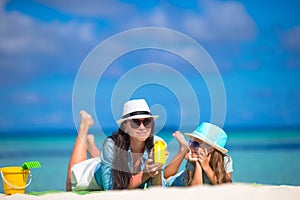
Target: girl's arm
<point x="229" y="177"/>
<point x="204" y="159"/>
<point x="210" y="174"/>
<point x="197" y="178"/>
<point x="172" y="168"/>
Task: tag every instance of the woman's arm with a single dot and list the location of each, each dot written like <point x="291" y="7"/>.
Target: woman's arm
<point x="142" y="177"/>
<point x="138" y="179"/>
<point x="157" y="180"/>
<point x="153" y="170"/>
<point x="105" y="173"/>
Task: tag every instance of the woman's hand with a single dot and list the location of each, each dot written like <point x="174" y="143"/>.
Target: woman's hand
<point x="152" y="169"/>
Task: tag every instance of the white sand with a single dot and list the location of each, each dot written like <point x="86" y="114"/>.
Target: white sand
<point x="234" y="191"/>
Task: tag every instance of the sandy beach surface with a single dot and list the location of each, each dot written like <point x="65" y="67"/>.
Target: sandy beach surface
<point x="229" y="191"/>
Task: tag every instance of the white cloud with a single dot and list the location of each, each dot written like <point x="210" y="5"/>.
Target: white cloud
<point x="221" y="21"/>
<point x="25" y="98"/>
<point x="22" y="34"/>
<point x="49" y="119"/>
<point x="92" y="8"/>
<point x="29" y="47"/>
<point x="217" y="20"/>
<point x="291" y="39"/>
<point x="159" y="18"/>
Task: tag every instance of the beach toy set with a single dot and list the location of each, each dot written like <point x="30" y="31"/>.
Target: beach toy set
<point x="14" y="178"/>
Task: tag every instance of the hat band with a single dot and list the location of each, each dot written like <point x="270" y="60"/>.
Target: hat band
<point x="136" y="113"/>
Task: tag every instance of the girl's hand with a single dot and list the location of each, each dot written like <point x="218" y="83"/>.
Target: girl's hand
<point x="204" y="158"/>
<point x="192" y="157"/>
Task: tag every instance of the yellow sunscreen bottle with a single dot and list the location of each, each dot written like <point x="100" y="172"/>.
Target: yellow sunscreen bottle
<point x="160" y="152"/>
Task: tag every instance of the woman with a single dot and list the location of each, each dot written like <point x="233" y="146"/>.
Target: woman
<point x="207" y="162"/>
<point x="125" y="161"/>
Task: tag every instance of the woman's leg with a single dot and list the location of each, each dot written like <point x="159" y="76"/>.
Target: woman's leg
<point x="79" y="152"/>
<point x="92" y="149"/>
<point x="172" y="168"/>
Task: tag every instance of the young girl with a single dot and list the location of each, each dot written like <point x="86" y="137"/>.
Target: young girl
<point x="125" y="160"/>
<point x="207" y="162"/>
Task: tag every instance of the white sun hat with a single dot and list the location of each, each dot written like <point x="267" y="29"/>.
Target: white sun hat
<point x="210" y="134"/>
<point x="136" y="109"/>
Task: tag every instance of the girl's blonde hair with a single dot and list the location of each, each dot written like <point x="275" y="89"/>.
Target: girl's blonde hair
<point x="218" y="166"/>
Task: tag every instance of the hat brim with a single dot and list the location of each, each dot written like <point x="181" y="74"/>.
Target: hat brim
<point x="192" y="136"/>
<point x="120" y="121"/>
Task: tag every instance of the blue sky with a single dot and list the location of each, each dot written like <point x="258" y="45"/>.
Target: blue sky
<point x="254" y="44"/>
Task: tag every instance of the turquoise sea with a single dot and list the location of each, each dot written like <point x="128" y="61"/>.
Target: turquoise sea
<point x="259" y="156"/>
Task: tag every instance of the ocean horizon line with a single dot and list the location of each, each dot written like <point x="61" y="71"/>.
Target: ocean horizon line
<point x="71" y="131"/>
<point x="67" y="151"/>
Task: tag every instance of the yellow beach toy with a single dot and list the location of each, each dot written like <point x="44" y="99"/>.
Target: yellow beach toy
<point x="15" y="178"/>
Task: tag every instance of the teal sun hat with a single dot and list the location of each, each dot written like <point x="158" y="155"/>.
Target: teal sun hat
<point x="210" y="134"/>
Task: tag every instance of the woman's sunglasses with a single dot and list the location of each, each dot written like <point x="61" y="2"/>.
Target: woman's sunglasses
<point x="194" y="145"/>
<point x="136" y="123"/>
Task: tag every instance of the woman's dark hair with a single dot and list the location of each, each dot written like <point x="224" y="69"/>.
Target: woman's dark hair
<point x="121" y="171"/>
<point x="217" y="165"/>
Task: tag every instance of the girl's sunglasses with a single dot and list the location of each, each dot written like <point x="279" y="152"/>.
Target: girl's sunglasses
<point x="136" y="123"/>
<point x="194" y="145"/>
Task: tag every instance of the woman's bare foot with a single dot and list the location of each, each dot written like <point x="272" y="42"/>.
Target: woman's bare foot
<point x="91" y="147"/>
<point x="86" y="119"/>
<point x="181" y="140"/>
<point x="79" y="152"/>
<point x="85" y="123"/>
